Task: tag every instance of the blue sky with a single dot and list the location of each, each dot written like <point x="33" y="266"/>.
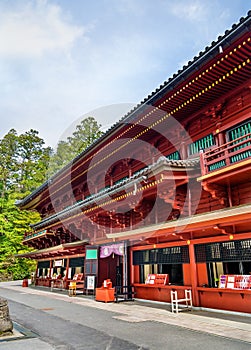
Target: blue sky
<point x="61" y="60"/>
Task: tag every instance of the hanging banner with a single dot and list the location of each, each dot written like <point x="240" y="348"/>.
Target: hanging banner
<point x="107" y="250"/>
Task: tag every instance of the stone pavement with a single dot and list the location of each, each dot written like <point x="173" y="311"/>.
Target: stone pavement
<point x="230" y="325"/>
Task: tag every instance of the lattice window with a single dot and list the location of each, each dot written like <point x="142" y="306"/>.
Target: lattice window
<point x="174" y="156"/>
<point x="223" y="251"/>
<point x="43" y="264"/>
<point x="172" y="255"/>
<point x="239" y="131"/>
<point x="201" y="144"/>
<point x="76" y="262"/>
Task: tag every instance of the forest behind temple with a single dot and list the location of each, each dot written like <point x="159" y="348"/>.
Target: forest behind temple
<point x="25" y="163"/>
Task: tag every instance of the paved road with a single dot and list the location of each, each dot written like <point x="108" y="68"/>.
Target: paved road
<point x="60" y="322"/>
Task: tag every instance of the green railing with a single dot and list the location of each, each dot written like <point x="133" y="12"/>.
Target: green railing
<point x="216" y="165"/>
<point x="234" y="151"/>
<point x="34" y="234"/>
<point x="238" y="136"/>
<point x="240" y="156"/>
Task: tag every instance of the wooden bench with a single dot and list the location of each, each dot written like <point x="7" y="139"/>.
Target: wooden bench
<point x="124" y="293"/>
<point x="175" y="301"/>
<point x="78" y="278"/>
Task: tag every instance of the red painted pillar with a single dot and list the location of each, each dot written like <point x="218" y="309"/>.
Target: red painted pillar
<point x="219" y="135"/>
<point x="194" y="279"/>
<point x="131" y="266"/>
<point x="202" y="163"/>
<point x="51" y="268"/>
<point x="221" y="139"/>
<point x="66" y="273"/>
<point x="183" y="150"/>
<point x="36" y="275"/>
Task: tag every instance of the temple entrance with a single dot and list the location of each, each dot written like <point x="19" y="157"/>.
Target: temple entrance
<point x="112" y="264"/>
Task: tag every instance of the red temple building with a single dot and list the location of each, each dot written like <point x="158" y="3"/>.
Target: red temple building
<point x="162" y="201"/>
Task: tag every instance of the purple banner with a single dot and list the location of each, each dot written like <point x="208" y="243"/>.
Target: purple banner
<point x="107" y="250"/>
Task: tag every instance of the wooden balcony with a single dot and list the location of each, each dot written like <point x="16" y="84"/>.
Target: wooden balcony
<point x="225" y="156"/>
<point x="31" y="235"/>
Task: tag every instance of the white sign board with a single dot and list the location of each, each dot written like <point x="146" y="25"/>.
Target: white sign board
<point x="58" y="263"/>
<point x="90" y="282"/>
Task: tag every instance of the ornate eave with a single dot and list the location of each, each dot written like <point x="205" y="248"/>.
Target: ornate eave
<point x="220" y="220"/>
<point x="160" y="171"/>
<point x="56" y="251"/>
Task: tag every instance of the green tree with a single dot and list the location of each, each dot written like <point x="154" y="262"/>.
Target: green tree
<point x="23" y="165"/>
<point x="23" y="161"/>
<point x="84" y="135"/>
<point x="60" y="158"/>
<point x="8" y="161"/>
<point x="33" y="160"/>
<point x="13" y="225"/>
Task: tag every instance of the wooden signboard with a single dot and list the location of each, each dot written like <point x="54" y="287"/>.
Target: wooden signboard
<point x="157" y="279"/>
<point x="235" y="281"/>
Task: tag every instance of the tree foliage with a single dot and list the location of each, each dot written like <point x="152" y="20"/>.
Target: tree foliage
<point x="24" y="163"/>
<point x="13" y="225"/>
<point x="84" y="135"/>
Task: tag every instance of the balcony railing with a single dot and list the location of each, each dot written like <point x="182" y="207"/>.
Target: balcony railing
<point x="222" y="156"/>
<point x="29" y="235"/>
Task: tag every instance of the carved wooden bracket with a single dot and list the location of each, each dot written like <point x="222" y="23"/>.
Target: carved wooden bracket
<point x="122" y="219"/>
<point x="168" y="195"/>
<point x="173" y="197"/>
<point x="135" y="204"/>
<point x="215" y="112"/>
<point x="223" y="229"/>
<point x="216" y="191"/>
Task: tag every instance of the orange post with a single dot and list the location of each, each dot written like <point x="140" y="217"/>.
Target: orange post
<point x="25" y="282"/>
<point x="106" y="292"/>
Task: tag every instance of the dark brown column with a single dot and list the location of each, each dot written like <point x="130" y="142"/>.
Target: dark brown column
<point x="193" y="272"/>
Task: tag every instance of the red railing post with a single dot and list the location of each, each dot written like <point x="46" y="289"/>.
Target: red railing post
<point x="202" y="163"/>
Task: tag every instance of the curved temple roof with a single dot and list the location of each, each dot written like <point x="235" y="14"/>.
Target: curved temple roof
<point x="210" y="52"/>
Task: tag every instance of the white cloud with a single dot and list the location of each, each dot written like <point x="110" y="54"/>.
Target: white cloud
<point x="35" y="29"/>
<point x="129" y="6"/>
<point x="58" y="62"/>
<point x="189" y="10"/>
